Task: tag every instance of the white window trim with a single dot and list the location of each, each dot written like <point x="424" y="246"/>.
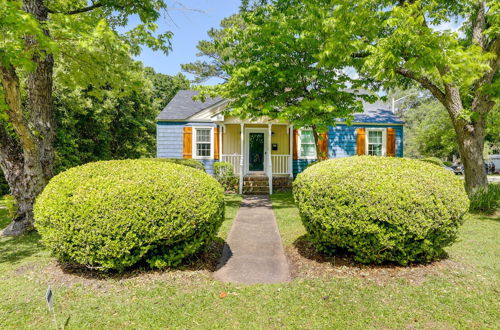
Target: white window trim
<point x="195" y="128"/>
<point x="300" y="146"/>
<point x="384" y="139"/>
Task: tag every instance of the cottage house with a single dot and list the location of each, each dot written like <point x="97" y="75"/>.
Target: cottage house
<point x="265" y="153"/>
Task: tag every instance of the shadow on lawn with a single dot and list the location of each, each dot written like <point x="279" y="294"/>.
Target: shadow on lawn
<point x="306" y="249"/>
<point x="14" y="250"/>
<point x="207" y="260"/>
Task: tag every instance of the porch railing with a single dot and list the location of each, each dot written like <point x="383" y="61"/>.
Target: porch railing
<point x="281" y="164"/>
<point x="233" y="159"/>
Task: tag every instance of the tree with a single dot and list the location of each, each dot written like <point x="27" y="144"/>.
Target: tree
<point x="165" y="87"/>
<point x="429" y="130"/>
<point x="217" y="56"/>
<point x="273" y="70"/>
<point x="401" y="45"/>
<point x="78" y="45"/>
<point x="114" y="126"/>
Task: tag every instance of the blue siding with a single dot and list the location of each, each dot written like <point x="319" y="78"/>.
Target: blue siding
<point x="342" y="139"/>
<point x="342" y="143"/>
<point x="170" y="139"/>
<point x="300" y="165"/>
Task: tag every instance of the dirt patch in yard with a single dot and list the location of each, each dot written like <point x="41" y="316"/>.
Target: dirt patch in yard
<point x="196" y="269"/>
<point x="306" y="263"/>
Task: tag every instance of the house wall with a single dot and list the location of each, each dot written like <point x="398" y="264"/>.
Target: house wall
<point x="169" y="141"/>
<point x="342" y="143"/>
<point x="231" y="140"/>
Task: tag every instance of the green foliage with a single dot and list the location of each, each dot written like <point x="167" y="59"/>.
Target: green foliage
<point x="434" y="160"/>
<point x="381" y="209"/>
<point x="486" y="200"/>
<point x="224" y="174"/>
<point x="216" y="56"/>
<point x="115" y="214"/>
<point x="165" y="87"/>
<point x="273" y="68"/>
<point x="11" y="204"/>
<point x="116" y="125"/>
<point x="186" y="162"/>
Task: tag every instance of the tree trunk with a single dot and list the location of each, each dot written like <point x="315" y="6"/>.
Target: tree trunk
<point x="316" y="144"/>
<point x="470" y="135"/>
<point x="26" y="153"/>
<point x="471" y="146"/>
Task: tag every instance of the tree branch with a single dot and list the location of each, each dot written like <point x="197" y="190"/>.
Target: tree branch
<point x="12" y="95"/>
<point x="424" y="82"/>
<point x="479" y="24"/>
<point x="78" y="11"/>
<point x="482" y="102"/>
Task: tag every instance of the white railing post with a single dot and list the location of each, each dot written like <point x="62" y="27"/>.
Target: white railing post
<point x="242" y="152"/>
<point x="270" y="162"/>
<point x="290" y="158"/>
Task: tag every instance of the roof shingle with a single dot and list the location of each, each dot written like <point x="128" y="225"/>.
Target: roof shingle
<point x="182" y="106"/>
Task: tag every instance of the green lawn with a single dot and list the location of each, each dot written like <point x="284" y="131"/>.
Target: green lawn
<point x="461" y="292"/>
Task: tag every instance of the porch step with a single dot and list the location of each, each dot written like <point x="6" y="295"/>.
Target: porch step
<point x="256" y="185"/>
<point x="259" y="185"/>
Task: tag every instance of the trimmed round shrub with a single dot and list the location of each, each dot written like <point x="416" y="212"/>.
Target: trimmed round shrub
<point x="381" y="209"/>
<point x="434" y="160"/>
<point x="115" y="214"/>
<point x="186" y="162"/>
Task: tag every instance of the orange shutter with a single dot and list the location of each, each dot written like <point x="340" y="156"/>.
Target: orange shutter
<point x="361" y="141"/>
<point x="187" y="151"/>
<point x="323" y="145"/>
<point x="216" y="143"/>
<point x="295" y="144"/>
<point x="391" y="142"/>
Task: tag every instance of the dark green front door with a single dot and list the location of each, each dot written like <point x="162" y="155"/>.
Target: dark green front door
<point x="256" y="152"/>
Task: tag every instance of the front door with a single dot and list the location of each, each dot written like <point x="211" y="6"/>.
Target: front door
<point x="256" y="153"/>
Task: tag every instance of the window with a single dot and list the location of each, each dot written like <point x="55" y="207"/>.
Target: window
<point x="203" y="142"/>
<point x="376" y="142"/>
<point x="307" y="145"/>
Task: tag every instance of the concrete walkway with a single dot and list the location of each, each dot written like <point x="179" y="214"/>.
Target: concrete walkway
<point x="253" y="252"/>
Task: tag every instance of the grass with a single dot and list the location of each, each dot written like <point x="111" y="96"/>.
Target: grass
<point x="462" y="293"/>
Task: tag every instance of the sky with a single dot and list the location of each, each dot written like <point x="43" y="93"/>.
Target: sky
<point x="189" y="22"/>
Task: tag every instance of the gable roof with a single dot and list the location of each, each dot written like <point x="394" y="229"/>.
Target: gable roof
<point x="377" y="113"/>
<point x="182" y="107"/>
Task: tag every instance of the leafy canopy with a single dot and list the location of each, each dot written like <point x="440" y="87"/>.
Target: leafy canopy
<point x="274" y="69"/>
<point x="88" y="42"/>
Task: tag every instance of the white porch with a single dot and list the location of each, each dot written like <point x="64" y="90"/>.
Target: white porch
<point x="257" y="149"/>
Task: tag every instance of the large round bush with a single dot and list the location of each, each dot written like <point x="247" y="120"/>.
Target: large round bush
<point x="113" y="214"/>
<point x="381" y="208"/>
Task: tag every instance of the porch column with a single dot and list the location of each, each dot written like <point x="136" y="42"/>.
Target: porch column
<point x="242" y="152"/>
<point x="290" y="149"/>
<point x="221" y="149"/>
<point x="269" y="158"/>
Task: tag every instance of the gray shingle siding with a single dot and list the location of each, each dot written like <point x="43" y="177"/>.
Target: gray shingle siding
<point x="169" y="137"/>
<point x="170" y="141"/>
